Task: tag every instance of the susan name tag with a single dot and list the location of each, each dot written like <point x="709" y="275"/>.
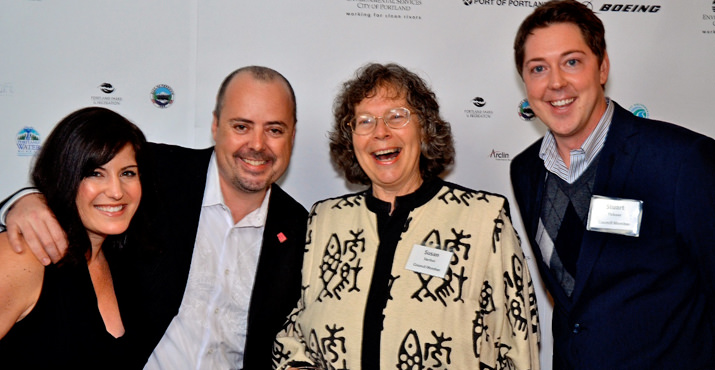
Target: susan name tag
<point x="615" y="215"/>
<point x="428" y="260"/>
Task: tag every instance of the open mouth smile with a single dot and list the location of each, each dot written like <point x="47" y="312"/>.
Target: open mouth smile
<point x="562" y="102"/>
<point x="386" y="154"/>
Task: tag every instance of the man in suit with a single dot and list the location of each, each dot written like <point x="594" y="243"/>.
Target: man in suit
<point x="619" y="210"/>
<point x="228" y="272"/>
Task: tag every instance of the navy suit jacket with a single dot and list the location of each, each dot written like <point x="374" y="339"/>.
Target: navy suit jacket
<point x="158" y="279"/>
<point x="641" y="302"/>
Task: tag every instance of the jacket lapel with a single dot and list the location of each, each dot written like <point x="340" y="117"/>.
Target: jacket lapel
<point x="614" y="168"/>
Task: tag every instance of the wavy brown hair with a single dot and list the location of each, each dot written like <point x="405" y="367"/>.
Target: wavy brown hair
<point x="562" y="11"/>
<point x="437" y="144"/>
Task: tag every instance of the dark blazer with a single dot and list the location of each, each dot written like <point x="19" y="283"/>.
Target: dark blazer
<point x="639" y="302"/>
<point x="160" y="278"/>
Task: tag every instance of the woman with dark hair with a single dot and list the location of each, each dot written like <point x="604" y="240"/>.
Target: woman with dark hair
<point x="69" y="313"/>
<point x="413" y="272"/>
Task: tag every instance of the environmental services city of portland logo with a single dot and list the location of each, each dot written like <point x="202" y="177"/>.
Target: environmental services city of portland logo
<point x="478" y="102"/>
<point x="385" y="9"/>
<point x="108" y="97"/>
<point x="162" y="96"/>
<point x="28" y="141"/>
<point x="709" y="20"/>
<point x="498" y="155"/>
<point x="639" y="110"/>
<point x="525" y="111"/>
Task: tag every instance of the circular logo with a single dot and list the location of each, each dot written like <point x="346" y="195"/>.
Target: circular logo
<point x="479" y="102"/>
<point x="639" y="110"/>
<point x="162" y="96"/>
<point x="525" y="111"/>
<point x="106" y="88"/>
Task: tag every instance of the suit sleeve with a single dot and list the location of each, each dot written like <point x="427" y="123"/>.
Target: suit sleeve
<point x="289" y="348"/>
<point x="695" y="209"/>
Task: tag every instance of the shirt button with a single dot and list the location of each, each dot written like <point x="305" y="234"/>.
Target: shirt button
<point x="211" y="351"/>
<point x="216" y="311"/>
<point x="576" y="328"/>
<point x="226" y="272"/>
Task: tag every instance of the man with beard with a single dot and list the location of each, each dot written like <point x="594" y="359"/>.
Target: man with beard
<point x="228" y="271"/>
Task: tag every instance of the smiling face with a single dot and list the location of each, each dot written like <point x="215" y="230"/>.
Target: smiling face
<point x="563" y="80"/>
<point x="109" y="197"/>
<point x="254" y="134"/>
<point x="389" y="157"/>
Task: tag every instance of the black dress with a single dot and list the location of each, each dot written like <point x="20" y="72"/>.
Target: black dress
<point x="65" y="329"/>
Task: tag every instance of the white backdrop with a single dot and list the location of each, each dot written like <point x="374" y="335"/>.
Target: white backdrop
<point x="55" y="56"/>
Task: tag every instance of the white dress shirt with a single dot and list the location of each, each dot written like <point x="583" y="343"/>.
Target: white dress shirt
<point x="210" y="330"/>
<point x="580" y="158"/>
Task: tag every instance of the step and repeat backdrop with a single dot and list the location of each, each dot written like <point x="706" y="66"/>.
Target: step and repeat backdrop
<point x="160" y="64"/>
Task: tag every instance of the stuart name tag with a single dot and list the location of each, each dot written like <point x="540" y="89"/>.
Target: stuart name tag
<point x="615" y="215"/>
<point x="431" y="261"/>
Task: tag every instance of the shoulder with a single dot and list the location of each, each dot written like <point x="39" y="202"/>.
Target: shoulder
<point x="346" y="201"/>
<point x="457" y="194"/>
<point x="175" y="152"/>
<point x="658" y="134"/>
<point x="284" y="202"/>
<point x="20" y="284"/>
<point x="527" y="156"/>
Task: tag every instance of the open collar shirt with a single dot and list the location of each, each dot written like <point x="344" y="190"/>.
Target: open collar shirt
<point x="210" y="330"/>
<point x="582" y="157"/>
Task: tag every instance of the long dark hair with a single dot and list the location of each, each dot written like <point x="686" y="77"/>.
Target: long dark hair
<point x="84" y="140"/>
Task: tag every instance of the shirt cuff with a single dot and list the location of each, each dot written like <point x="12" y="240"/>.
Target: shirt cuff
<point x="10" y="202"/>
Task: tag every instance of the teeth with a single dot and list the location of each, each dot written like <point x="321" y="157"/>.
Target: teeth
<point x="387" y="151"/>
<point x="109" y="208"/>
<point x="561" y="103"/>
<point x="253" y="162"/>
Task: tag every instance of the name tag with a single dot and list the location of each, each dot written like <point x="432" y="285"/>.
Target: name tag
<point x="615" y="215"/>
<point x="431" y="261"/>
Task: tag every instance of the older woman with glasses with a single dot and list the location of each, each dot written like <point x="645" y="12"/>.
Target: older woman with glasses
<point x="413" y="272"/>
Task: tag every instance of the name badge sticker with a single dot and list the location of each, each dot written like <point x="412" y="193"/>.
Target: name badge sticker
<point x="431" y="261"/>
<point x="615" y="215"/>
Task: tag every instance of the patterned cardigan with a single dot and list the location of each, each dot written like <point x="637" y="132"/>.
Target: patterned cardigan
<point x="481" y="315"/>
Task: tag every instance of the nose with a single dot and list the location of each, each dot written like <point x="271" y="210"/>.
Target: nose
<point x="556" y="79"/>
<point x="381" y="129"/>
<point x="114" y="188"/>
<point x="257" y="140"/>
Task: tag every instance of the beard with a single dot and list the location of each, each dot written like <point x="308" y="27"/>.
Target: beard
<point x="253" y="182"/>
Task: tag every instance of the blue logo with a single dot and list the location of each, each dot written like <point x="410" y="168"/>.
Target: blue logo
<point x="525" y="111"/>
<point x="162" y="96"/>
<point x="28" y="142"/>
<point x="639" y="110"/>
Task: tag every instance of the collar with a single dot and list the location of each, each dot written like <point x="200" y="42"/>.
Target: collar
<point x="214" y="198"/>
<point x="422" y="195"/>
<point x="582" y="157"/>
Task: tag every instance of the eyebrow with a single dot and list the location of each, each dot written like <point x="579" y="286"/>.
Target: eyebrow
<point x="560" y="56"/>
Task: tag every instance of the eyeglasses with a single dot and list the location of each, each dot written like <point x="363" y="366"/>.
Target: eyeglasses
<point x="365" y="124"/>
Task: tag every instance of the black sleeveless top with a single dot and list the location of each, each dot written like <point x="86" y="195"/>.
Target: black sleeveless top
<point x="65" y="328"/>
